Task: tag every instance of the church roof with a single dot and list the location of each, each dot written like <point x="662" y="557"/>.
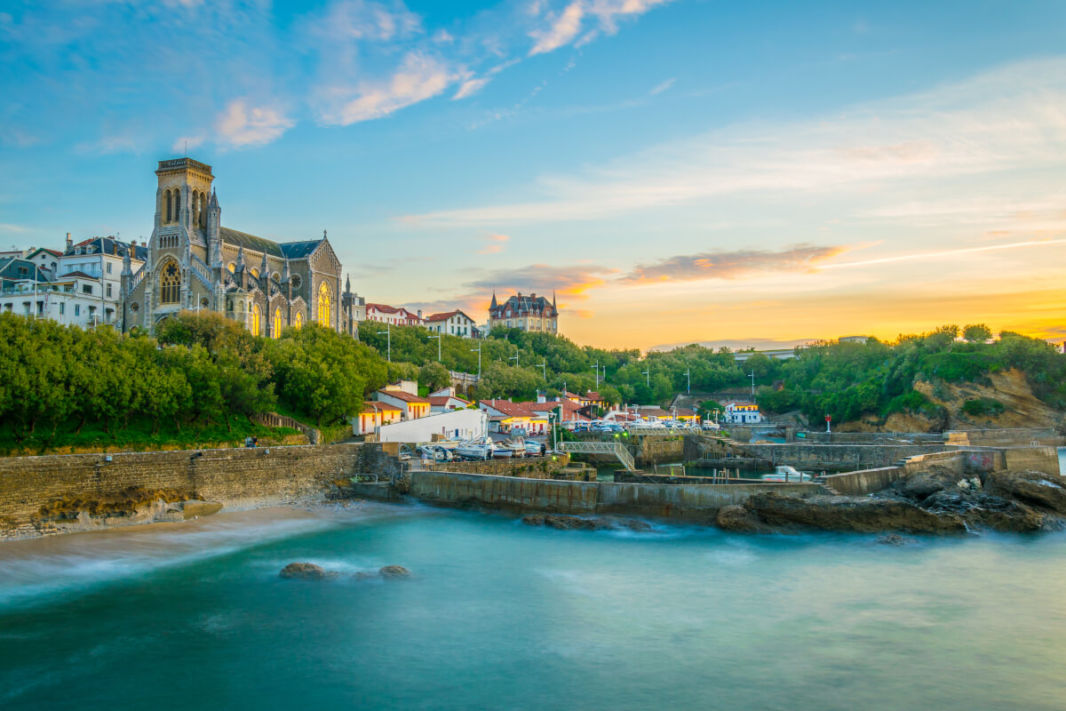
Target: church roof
<point x="243" y="239"/>
<point x="299" y="250"/>
<point x="285" y="250"/>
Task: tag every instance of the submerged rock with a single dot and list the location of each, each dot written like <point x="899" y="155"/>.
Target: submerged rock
<point x="394" y="571"/>
<point x="850" y="513"/>
<point x="577" y="523"/>
<point x="894" y="539"/>
<point x="306" y="571"/>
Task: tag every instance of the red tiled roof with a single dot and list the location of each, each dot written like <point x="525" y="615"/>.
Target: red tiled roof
<point x="374" y="406"/>
<point x="81" y="275"/>
<point x="443" y="399"/>
<point x="406" y="397"/>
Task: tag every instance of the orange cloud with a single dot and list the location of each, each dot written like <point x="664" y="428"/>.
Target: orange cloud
<point x="728" y="265"/>
<point x="495" y="244"/>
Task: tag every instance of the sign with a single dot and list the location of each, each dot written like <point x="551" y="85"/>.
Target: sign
<point x="828" y="418"/>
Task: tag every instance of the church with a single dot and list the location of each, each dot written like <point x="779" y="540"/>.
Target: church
<point x="194" y="263"/>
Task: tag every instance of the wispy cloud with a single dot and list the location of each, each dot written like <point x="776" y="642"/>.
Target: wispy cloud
<point x="660" y="88"/>
<point x="590" y="17"/>
<point x="573" y="281"/>
<point x="242" y="124"/>
<point x="1010" y="118"/>
<point x="418" y="78"/>
<point x="494" y="244"/>
<point x="729" y="265"/>
<point x="470" y="87"/>
<point x="943" y="253"/>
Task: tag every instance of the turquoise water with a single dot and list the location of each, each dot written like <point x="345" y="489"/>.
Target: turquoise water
<point x="501" y="615"/>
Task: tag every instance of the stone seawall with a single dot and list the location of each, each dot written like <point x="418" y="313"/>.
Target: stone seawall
<point x="840" y="458"/>
<point x="696" y="503"/>
<point x="530" y="467"/>
<point x="55" y="493"/>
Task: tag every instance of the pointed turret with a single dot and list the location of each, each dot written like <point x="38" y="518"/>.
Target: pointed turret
<point x="240" y="259"/>
<point x="347" y="283"/>
<point x="285" y="272"/>
<point x="492" y="306"/>
<point x="264" y="269"/>
<point x="127" y="266"/>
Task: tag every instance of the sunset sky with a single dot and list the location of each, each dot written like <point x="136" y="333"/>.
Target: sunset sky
<point x="750" y="173"/>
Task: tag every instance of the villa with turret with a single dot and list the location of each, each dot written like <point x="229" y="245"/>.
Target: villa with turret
<point x="194" y="263"/>
<point x="527" y="312"/>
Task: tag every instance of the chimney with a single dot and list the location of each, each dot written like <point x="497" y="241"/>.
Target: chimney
<point x="420" y="314"/>
<point x="70" y="242"/>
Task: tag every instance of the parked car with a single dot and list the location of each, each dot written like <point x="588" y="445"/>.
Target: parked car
<point x="535" y="448"/>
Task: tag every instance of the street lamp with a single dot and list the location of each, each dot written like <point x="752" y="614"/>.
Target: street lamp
<point x="544" y="370"/>
<point x="647" y="376"/>
<point x="514" y="358"/>
<point x="478" y="350"/>
<point x="438" y="337"/>
<point x="688" y="377"/>
<point x="388" y="335"/>
<point x="596" y="367"/>
<point x="752" y="376"/>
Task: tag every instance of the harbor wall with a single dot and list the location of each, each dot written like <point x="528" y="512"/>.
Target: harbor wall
<point x="696" y="503"/>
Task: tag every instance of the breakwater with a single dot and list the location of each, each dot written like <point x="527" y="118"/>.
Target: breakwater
<point x="697" y="503"/>
<point x="59" y="493"/>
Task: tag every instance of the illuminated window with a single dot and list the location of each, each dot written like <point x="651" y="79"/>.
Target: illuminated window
<point x="232" y="267"/>
<point x="170" y="284"/>
<point x="257" y="323"/>
<point x="276" y="328"/>
<point x="298" y="320"/>
<point x="255" y="272"/>
<point x="324" y="303"/>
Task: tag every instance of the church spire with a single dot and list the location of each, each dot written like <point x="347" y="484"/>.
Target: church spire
<point x="264" y="269"/>
<point x="240" y="258"/>
<point x="493" y="304"/>
<point x="347" y="283"/>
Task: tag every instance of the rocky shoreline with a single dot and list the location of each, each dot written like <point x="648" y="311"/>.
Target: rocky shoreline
<point x="936" y="501"/>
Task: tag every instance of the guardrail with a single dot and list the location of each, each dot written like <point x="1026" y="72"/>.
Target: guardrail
<point x="616" y="448"/>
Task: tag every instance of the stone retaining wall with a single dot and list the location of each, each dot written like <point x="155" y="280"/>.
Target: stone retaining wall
<point x="38" y="492"/>
<point x="531" y="467"/>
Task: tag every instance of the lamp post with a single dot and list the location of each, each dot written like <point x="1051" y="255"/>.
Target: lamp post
<point x="647" y="376"/>
<point x="514" y="358"/>
<point x="438" y="337"/>
<point x="544" y="370"/>
<point x="752" y="376"/>
<point x="688" y="378"/>
<point x="596" y="368"/>
<point x="388" y="336"/>
<point x="478" y="349"/>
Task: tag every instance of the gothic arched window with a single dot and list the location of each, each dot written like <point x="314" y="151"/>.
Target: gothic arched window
<point x="167" y="195"/>
<point x="170" y="284"/>
<point x="324" y="303"/>
<point x="257" y="320"/>
<point x="276" y="327"/>
<point x="298" y="320"/>
<point x="177" y="206"/>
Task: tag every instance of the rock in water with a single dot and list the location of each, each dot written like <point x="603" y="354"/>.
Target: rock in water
<point x="1046" y="491"/>
<point x="305" y="571"/>
<point x="192" y="509"/>
<point x="894" y="539"/>
<point x="395" y="571"/>
<point x="564" y="522"/>
<point x="739" y="519"/>
<point x="850" y="513"/>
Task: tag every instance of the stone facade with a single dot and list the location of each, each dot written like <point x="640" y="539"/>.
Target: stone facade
<point x="194" y="263"/>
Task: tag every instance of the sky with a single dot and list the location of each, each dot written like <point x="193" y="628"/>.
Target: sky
<point x="685" y="171"/>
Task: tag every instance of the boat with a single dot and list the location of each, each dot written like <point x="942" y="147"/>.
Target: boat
<point x="786" y="473"/>
<point x="502" y="452"/>
<point x="473" y="450"/>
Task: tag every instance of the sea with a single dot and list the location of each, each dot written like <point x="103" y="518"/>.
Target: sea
<point x="501" y="615"/>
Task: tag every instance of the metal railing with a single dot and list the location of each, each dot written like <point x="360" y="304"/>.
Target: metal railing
<point x="616" y="448"/>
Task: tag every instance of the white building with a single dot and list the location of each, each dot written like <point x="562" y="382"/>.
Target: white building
<point x="457" y="425"/>
<point x="742" y="413"/>
<point x="453" y="323"/>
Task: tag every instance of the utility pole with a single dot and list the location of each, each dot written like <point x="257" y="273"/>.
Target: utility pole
<point x="438" y="337"/>
<point x="647" y="376"/>
<point x="752" y="376"/>
<point x="596" y="367"/>
<point x="388" y="335"/>
<point x="688" y="376"/>
<point x="478" y="349"/>
<point x="514" y="358"/>
<point x="544" y="370"/>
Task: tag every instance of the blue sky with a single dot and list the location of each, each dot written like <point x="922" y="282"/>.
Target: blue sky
<point x="678" y="171"/>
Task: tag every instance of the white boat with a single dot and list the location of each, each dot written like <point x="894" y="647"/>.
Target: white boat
<point x="786" y="473"/>
<point x="502" y="452"/>
<point x="474" y="449"/>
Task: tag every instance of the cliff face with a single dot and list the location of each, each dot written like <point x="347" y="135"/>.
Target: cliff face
<point x="1020" y="408"/>
<point x="1010" y="388"/>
